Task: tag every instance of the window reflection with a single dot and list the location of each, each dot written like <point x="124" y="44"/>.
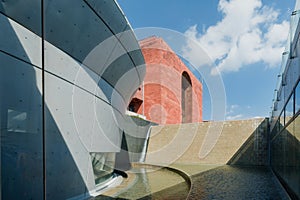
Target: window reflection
<point x="297" y="97"/>
<point x="103" y="166"/>
<point x="289" y="109"/>
<point x="16" y="121"/>
<point x="281" y="120"/>
<point x="297" y="47"/>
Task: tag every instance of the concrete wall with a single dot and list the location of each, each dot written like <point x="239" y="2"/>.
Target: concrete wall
<point x="239" y="142"/>
<point x="68" y="70"/>
<point x="136" y="133"/>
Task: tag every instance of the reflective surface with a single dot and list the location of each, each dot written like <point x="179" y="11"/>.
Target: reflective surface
<point x="223" y="182"/>
<point x="103" y="165"/>
<point x="285" y="125"/>
<point x="285" y="156"/>
<point x="150" y="182"/>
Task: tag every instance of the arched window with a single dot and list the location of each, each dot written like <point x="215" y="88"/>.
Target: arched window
<point x="186" y="98"/>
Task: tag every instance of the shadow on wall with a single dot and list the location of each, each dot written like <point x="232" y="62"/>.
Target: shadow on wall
<point x="284" y="153"/>
<point x="21" y="121"/>
<point x="136" y="132"/>
<point x="122" y="158"/>
<point x="255" y="151"/>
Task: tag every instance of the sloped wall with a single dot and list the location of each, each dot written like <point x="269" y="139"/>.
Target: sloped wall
<point x="239" y="142"/>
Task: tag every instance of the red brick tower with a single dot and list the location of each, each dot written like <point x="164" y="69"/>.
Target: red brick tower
<point x="171" y="94"/>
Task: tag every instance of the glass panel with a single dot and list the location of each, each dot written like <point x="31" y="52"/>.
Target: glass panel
<point x="296" y="184"/>
<point x="296" y="51"/>
<point x="103" y="166"/>
<point x="285" y="57"/>
<point x="294" y="23"/>
<point x="281" y="120"/>
<point x="280" y="98"/>
<point x="285" y="155"/>
<point x="297" y="97"/>
<point x="297" y="48"/>
<point x="289" y="109"/>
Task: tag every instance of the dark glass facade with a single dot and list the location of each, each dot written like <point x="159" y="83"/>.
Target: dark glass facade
<point x="285" y="119"/>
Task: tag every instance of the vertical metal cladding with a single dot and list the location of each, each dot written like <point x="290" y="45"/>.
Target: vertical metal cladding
<point x="92" y="65"/>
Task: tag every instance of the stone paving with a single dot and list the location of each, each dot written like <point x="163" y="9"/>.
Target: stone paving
<point x="236" y="182"/>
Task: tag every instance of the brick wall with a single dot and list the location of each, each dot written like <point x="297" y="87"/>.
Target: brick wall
<point x="162" y="89"/>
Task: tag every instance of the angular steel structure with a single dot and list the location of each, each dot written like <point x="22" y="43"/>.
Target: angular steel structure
<point x="68" y="70"/>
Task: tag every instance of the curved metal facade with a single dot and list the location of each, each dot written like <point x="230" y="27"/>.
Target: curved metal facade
<point x="68" y="71"/>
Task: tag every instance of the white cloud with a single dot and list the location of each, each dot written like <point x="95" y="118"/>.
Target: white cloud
<point x="248" y="33"/>
<point x="232" y="112"/>
<point x="232" y="109"/>
<point x="237" y="112"/>
<point x="235" y="117"/>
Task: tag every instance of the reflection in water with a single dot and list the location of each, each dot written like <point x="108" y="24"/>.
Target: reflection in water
<point x="150" y="182"/>
<point x="223" y="182"/>
<point x="139" y="188"/>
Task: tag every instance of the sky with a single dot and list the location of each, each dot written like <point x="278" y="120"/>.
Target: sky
<point x="243" y="38"/>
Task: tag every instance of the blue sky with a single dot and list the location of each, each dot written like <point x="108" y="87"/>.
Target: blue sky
<point x="244" y="38"/>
